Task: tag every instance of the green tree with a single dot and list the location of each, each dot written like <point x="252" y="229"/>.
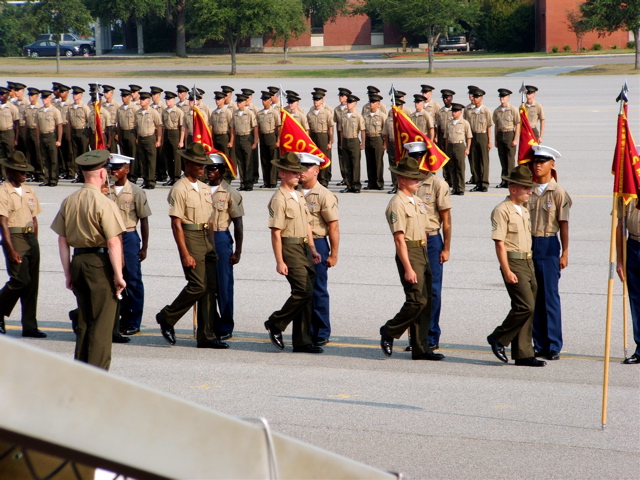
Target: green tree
<point x="507" y="25"/>
<point x="17" y="28"/>
<point x="607" y="16"/>
<point x="63" y="16"/>
<point x="324" y="11"/>
<point x="576" y="24"/>
<point x="230" y="21"/>
<point x="287" y="22"/>
<point x="427" y="18"/>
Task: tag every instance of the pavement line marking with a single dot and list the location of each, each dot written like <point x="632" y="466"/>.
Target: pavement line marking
<point x="564" y="356"/>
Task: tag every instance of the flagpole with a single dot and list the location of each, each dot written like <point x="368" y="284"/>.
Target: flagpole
<point x="625" y="290"/>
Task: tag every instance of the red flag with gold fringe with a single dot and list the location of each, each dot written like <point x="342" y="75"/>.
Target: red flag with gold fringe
<point x="405" y="131"/>
<point x="99" y="135"/>
<point x="626" y="163"/>
<point x="202" y="134"/>
<point x="527" y="138"/>
<point x="294" y="138"/>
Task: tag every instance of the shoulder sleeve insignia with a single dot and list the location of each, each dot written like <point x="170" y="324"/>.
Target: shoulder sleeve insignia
<point x="171" y="201"/>
<point x="271" y="212"/>
<point x="393" y="217"/>
<point x="494" y="225"/>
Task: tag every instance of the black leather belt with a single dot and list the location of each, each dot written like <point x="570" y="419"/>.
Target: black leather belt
<point x="82" y="251"/>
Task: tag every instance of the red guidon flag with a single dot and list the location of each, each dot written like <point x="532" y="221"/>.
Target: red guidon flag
<point x="99" y="135"/>
<point x="527" y="138"/>
<point x="202" y="134"/>
<point x="405" y="131"/>
<point x="294" y="138"/>
<point x="626" y="164"/>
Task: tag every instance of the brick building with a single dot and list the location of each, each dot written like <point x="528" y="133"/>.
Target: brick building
<point x="552" y="29"/>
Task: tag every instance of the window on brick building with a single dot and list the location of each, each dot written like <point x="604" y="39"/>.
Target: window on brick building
<point x="317" y="28"/>
<point x="376" y="22"/>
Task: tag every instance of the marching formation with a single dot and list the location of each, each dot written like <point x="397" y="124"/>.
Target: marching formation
<point x="165" y="142"/>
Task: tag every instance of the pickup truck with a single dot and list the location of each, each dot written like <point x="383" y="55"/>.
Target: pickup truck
<point x="455" y="42"/>
<point x="86" y="45"/>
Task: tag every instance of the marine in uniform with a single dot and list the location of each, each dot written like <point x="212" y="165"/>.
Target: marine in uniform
<point x="19" y="207"/>
<point x="221" y="125"/>
<point x="549" y="207"/>
<point x="389" y="139"/>
<point x="366" y="108"/>
<point x="191" y="209"/>
<point x="174" y="132"/>
<point x="49" y="134"/>
<point x="352" y="127"/>
<point x="323" y="211"/>
<point x="458" y="137"/>
<point x="535" y="112"/>
<point x="159" y="106"/>
<point x="506" y="119"/>
<point x="9" y="124"/>
<point x="406" y="215"/>
<point x="421" y="118"/>
<point x="227" y="209"/>
<point x="21" y="104"/>
<point x="245" y="128"/>
<point x="434" y="192"/>
<point x="432" y="107"/>
<point x="442" y="117"/>
<point x="78" y="125"/>
<point x="135" y="93"/>
<point x="106" y="122"/>
<point x="269" y="123"/>
<point x="66" y="159"/>
<point x="511" y="233"/>
<point x="112" y="106"/>
<point x="32" y="143"/>
<point x="295" y="253"/>
<point x="148" y="124"/>
<point x="374" y="144"/>
<point x="341" y="109"/>
<point x="90" y="223"/>
<point x="321" y="124"/>
<point x="126" y="127"/>
<point x="255" y="153"/>
<point x="630" y="266"/>
<point x="479" y="117"/>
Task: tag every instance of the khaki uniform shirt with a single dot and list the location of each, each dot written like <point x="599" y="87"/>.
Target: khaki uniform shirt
<point x="366" y="108"/>
<point x="189" y="204"/>
<point x="548" y="209"/>
<point x="434" y="191"/>
<point x="147" y="121"/>
<point x="337" y="115"/>
<point x="374" y="123"/>
<point x="105" y="117"/>
<point x="301" y="118"/>
<point x="506" y="118"/>
<point x="184" y="106"/>
<point x="64" y="109"/>
<point x="442" y="117"/>
<point x="22" y="107"/>
<point x="268" y="119"/>
<point x="159" y="107"/>
<point x="479" y="118"/>
<point x="188" y="121"/>
<point x="387" y="129"/>
<point x="172" y="118"/>
<point x="8" y="114"/>
<point x="320" y="121"/>
<point x="87" y="218"/>
<point x="111" y="106"/>
<point x="244" y="121"/>
<point x="227" y="205"/>
<point x="300" y="110"/>
<point x="48" y="119"/>
<point x="407" y="217"/>
<point x="351" y="125"/>
<point x="78" y="115"/>
<point x="457" y="131"/>
<point x="535" y="112"/>
<point x="132" y="203"/>
<point x="508" y="226"/>
<point x="19" y="209"/>
<point x="31" y="115"/>
<point x="288" y="215"/>
<point x="423" y="120"/>
<point x="126" y="116"/>
<point x="633" y="216"/>
<point x="221" y="120"/>
<point x="323" y="207"/>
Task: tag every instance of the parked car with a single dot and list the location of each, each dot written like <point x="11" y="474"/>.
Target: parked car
<point x="86" y="45"/>
<point x="47" y="48"/>
<point x="455" y="42"/>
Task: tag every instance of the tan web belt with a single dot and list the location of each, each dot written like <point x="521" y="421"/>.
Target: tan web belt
<point x="193" y="227"/>
<point x="416" y="243"/>
<point x="294" y="240"/>
<point x="519" y="255"/>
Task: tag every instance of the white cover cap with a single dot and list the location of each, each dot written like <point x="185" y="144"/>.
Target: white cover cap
<point x="545" y="152"/>
<point x="415" y="147"/>
<point x="308" y="159"/>
<point x="217" y="159"/>
<point x="117" y="159"/>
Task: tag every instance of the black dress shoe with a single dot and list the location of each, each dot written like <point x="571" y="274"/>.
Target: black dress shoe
<point x="470" y="182"/>
<point x="339" y="184"/>
<point x="117" y="338"/>
<point x="167" y="330"/>
<point x="130" y="331"/>
<point x="429" y="356"/>
<point x="73" y="316"/>
<point x="498" y="350"/>
<point x="433" y="346"/>
<point x="475" y="189"/>
<point x="240" y="189"/>
<point x="540" y="353"/>
<point x="530" y="362"/>
<point x="226" y="336"/>
<point x="345" y="190"/>
<point x="386" y="342"/>
<point x="215" y="343"/>
<point x="483" y="189"/>
<point x="553" y="355"/>
<point x="393" y="191"/>
<point x="2" y="329"/>
<point x="367" y="188"/>
<point x="44" y="184"/>
<point x="355" y="190"/>
<point x="275" y="335"/>
<point x="34" y="333"/>
<point x="264" y="185"/>
<point x="408" y="348"/>
<point x="320" y="342"/>
<point x="502" y="185"/>
<point x="169" y="183"/>
<point x="632" y="360"/>
<point x="308" y="349"/>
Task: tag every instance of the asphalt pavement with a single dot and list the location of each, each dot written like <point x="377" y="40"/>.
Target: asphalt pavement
<point x="469" y="416"/>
